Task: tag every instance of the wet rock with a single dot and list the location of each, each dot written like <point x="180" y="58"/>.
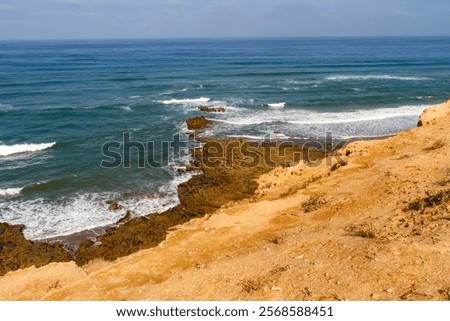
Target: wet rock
<point x="181" y="171"/>
<point x="115" y="207"/>
<point x="196" y="123"/>
<point x="126" y="218"/>
<point x="212" y="109"/>
<point x="192" y="167"/>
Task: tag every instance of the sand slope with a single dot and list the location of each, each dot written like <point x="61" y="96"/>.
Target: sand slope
<point x="372" y="223"/>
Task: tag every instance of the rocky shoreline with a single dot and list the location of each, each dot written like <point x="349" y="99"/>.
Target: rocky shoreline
<point x="369" y="222"/>
<point x="229" y="169"/>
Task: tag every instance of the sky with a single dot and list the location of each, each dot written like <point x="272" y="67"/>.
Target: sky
<point x="94" y="19"/>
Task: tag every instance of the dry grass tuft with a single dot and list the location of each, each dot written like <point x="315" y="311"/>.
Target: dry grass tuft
<point x="313" y="203"/>
<point x="252" y="285"/>
<point x="362" y="230"/>
<point x="431" y="200"/>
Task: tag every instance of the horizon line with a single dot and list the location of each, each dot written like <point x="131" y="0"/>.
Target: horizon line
<point x="223" y="38"/>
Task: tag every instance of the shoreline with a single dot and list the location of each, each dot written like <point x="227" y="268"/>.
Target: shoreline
<point x="369" y="222"/>
<point x="121" y="239"/>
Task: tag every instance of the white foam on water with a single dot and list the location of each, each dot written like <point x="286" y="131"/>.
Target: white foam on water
<point x="250" y="120"/>
<point x="5" y="107"/>
<point x="127" y="108"/>
<point x="360" y="115"/>
<point x="302" y="116"/>
<point x="45" y="219"/>
<point x="303" y="82"/>
<point x="373" y="77"/>
<point x="276" y="105"/>
<point x="252" y="137"/>
<point x="187" y="101"/>
<point x="6" y="150"/>
<point x="10" y="191"/>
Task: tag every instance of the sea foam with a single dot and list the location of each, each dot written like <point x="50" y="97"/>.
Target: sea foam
<point x="5" y="107"/>
<point x="301" y="116"/>
<point x="44" y="218"/>
<point x="10" y="191"/>
<point x="189" y="101"/>
<point x="6" y="150"/>
<point x="373" y="77"/>
<point x="277" y="105"/>
<point x="127" y="108"/>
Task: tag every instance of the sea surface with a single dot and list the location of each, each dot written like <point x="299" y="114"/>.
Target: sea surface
<point x="61" y="101"/>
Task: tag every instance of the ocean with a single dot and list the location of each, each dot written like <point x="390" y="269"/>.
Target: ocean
<point x="62" y="101"/>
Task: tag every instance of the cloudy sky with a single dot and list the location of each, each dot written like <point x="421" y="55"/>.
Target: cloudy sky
<point x="69" y="19"/>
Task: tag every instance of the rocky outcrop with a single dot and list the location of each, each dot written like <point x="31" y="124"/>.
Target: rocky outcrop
<point x="196" y="123"/>
<point x="225" y="178"/>
<point x="16" y="252"/>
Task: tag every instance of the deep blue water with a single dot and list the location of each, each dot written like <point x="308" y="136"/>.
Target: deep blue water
<point x="75" y="96"/>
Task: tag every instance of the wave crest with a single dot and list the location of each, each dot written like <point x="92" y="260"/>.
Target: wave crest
<point x="373" y="77"/>
<point x="6" y="150"/>
<point x="305" y="117"/>
<point x="10" y="191"/>
<point x="277" y="105"/>
<point x="189" y="101"/>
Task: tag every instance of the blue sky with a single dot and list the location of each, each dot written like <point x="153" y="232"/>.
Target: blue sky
<point x="69" y="19"/>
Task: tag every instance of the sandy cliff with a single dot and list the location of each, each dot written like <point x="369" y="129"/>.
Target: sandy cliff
<point x="370" y="223"/>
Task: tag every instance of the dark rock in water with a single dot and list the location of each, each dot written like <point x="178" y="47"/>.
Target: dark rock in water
<point x="126" y="218"/>
<point x="212" y="109"/>
<point x="115" y="207"/>
<point x="181" y="171"/>
<point x="197" y="123"/>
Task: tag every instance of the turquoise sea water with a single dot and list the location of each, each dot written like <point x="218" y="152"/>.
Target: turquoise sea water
<point x="60" y="101"/>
